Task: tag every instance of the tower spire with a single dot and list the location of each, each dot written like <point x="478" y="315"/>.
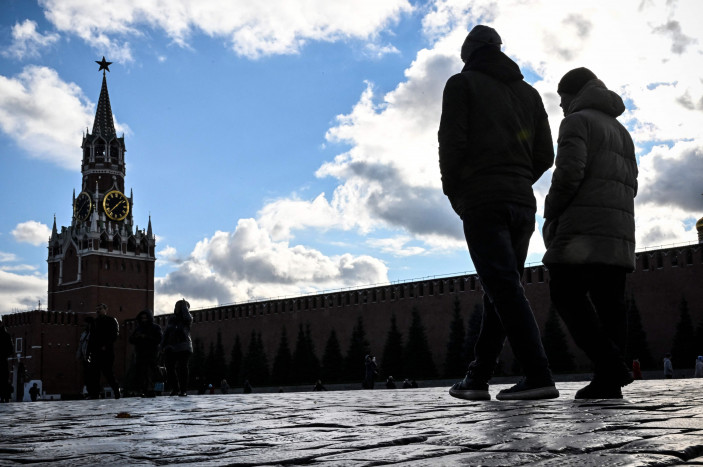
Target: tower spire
<point x="103" y="124"/>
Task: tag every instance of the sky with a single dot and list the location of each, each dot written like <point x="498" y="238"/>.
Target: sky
<point x="288" y="147"/>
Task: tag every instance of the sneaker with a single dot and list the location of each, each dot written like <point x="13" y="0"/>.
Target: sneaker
<point x="470" y="389"/>
<point x="525" y="390"/>
<point x="596" y="390"/>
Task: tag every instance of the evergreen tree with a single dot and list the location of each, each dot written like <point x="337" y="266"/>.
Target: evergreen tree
<point x="637" y="346"/>
<point x="196" y="364"/>
<point x="683" y="350"/>
<point x="472" y="332"/>
<point x="417" y="355"/>
<point x="699" y="337"/>
<point x="332" y="360"/>
<point x="235" y="364"/>
<point x="283" y="362"/>
<point x="454" y="362"/>
<point x="219" y="365"/>
<point x="358" y="349"/>
<point x="392" y="360"/>
<point x="306" y="366"/>
<point x="556" y="345"/>
<point x="210" y="365"/>
<point x="255" y="362"/>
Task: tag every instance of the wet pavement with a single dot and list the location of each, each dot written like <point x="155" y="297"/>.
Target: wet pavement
<point x="659" y="422"/>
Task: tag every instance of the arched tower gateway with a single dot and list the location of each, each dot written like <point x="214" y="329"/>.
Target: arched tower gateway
<point x="102" y="257"/>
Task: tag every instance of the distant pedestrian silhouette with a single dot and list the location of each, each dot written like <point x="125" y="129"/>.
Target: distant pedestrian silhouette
<point x="34" y="392"/>
<point x="390" y="383"/>
<point x="494" y="144"/>
<point x="370" y="371"/>
<point x="668" y="367"/>
<point x="103" y="334"/>
<point x="699" y="367"/>
<point x="636" y="369"/>
<point x="146" y="338"/>
<point x="177" y="347"/>
<point x="6" y="352"/>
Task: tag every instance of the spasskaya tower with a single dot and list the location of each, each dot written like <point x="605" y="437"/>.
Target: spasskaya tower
<point x="102" y="257"/>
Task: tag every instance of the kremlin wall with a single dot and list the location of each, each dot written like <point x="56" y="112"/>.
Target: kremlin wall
<point x="48" y="339"/>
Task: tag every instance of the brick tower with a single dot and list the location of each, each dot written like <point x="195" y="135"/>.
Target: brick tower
<point x="102" y="257"/>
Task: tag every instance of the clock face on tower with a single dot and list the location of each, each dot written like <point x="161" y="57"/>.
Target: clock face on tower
<point x="116" y="205"/>
<point x="82" y="206"/>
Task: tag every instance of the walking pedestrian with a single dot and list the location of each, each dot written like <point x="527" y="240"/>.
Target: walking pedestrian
<point x="494" y="144"/>
<point x="6" y="351"/>
<point x="589" y="227"/>
<point x="636" y="369"/>
<point x="370" y="372"/>
<point x="177" y="348"/>
<point x="668" y="367"/>
<point x="699" y="367"/>
<point x="34" y="392"/>
<point x="101" y="349"/>
<point x="146" y="338"/>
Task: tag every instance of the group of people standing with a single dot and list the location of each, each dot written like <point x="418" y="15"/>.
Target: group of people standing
<point x="495" y="142"/>
<point x="174" y="344"/>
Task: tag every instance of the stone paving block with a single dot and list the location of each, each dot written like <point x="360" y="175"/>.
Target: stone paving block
<point x="486" y="459"/>
<point x="689" y="423"/>
<point x="388" y="455"/>
<point x="557" y="443"/>
<point x="684" y="446"/>
<point x="608" y="459"/>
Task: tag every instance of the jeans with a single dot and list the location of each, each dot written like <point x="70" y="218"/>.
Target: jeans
<point x="101" y="362"/>
<point x="498" y="237"/>
<point x="177" y="370"/>
<point x="590" y="299"/>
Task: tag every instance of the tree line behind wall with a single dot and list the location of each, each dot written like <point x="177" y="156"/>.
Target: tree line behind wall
<point x="408" y="355"/>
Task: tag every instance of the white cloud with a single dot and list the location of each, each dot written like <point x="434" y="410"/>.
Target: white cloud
<point x="389" y="177"/>
<point x="45" y="116"/>
<point x="32" y="232"/>
<point x="253" y="29"/>
<point x="396" y="246"/>
<point x="27" y="41"/>
<point x="7" y="257"/>
<point x="21" y="292"/>
<point x="248" y="264"/>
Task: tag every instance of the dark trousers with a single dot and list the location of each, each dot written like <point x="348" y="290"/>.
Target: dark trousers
<point x="101" y="363"/>
<point x="498" y="236"/>
<point x="145" y="365"/>
<point x="590" y="299"/>
<point x="4" y="381"/>
<point x="177" y="370"/>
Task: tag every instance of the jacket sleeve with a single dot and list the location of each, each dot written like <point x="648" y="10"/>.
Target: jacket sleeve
<point x="543" y="149"/>
<point x="572" y="155"/>
<point x="453" y="133"/>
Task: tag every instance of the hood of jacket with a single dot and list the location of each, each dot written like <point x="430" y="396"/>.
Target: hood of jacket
<point x="594" y="95"/>
<point x="148" y="313"/>
<point x="494" y="63"/>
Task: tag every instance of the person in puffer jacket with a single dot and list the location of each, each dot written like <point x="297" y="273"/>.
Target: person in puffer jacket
<point x="589" y="228"/>
<point x="146" y="338"/>
<point x="177" y="348"/>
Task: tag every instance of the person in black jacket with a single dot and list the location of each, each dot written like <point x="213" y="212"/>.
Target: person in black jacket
<point x="6" y="351"/>
<point x="177" y="347"/>
<point x="103" y="335"/>
<point x="146" y="338"/>
<point x="494" y="143"/>
<point x="589" y="227"/>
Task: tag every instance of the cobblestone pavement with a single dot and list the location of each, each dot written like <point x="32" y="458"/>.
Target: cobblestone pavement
<point x="658" y="423"/>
